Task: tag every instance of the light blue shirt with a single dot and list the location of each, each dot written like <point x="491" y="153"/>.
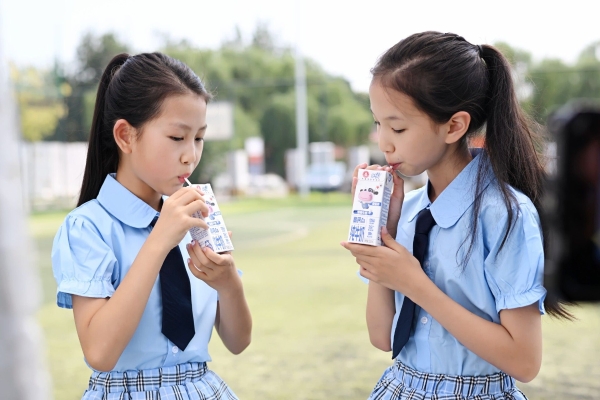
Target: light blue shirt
<point x="491" y="281"/>
<point x="93" y="250"/>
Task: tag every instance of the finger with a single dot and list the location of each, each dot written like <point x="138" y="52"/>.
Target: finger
<point x="176" y="195"/>
<point x="359" y="166"/>
<point x="197" y="222"/>
<point x="361" y="249"/>
<point x="398" y="191"/>
<point x="198" y="256"/>
<point x="230" y="234"/>
<point x="365" y="273"/>
<point x="197" y="206"/>
<point x="389" y="241"/>
<point x="188" y="196"/>
<point x="197" y="188"/>
<point x="215" y="258"/>
<point x="354" y="182"/>
<point x="197" y="272"/>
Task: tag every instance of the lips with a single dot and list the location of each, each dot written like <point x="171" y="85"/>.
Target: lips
<point x="183" y="177"/>
<point x="394" y="166"/>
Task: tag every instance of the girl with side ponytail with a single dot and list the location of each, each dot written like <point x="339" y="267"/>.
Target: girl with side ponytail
<point x="458" y="295"/>
<point x="143" y="315"/>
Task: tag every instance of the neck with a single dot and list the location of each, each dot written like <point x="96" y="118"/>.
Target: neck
<point x="451" y="164"/>
<point x="135" y="185"/>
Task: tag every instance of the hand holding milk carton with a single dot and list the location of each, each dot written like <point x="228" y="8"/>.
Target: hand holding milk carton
<point x="216" y="236"/>
<point x="370" y="206"/>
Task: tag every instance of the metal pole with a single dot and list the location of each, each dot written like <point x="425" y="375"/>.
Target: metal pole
<point x="23" y="375"/>
<point x="301" y="123"/>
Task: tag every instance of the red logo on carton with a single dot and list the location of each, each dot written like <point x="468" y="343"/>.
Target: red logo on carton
<point x="366" y="174"/>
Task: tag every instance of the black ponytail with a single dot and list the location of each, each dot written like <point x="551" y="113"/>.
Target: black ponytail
<point x="103" y="154"/>
<point x="131" y="88"/>
<point x="445" y="74"/>
<point x="514" y="150"/>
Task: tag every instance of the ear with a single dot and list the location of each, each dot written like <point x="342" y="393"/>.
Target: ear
<point x="124" y="135"/>
<point x="457" y="126"/>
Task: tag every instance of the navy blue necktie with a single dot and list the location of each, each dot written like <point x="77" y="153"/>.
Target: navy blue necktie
<point x="177" y="315"/>
<point x="425" y="222"/>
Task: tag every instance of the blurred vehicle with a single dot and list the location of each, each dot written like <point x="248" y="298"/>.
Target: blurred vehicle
<point x="326" y="177"/>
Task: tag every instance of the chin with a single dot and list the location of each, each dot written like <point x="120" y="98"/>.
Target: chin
<point x="409" y="172"/>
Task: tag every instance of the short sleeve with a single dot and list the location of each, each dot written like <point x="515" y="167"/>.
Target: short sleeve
<point x="515" y="273"/>
<point x="82" y="262"/>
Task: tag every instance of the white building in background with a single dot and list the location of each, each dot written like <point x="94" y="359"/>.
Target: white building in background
<point x="52" y="173"/>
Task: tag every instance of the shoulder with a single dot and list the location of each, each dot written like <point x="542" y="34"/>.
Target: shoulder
<point x="494" y="215"/>
<point x="493" y="204"/>
<point x="90" y="215"/>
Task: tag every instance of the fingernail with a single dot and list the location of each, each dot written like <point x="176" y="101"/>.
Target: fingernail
<point x="384" y="230"/>
<point x="189" y="260"/>
<point x="193" y="243"/>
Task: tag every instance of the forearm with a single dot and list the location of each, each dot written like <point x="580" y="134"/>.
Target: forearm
<point x="517" y="356"/>
<point x="106" y="331"/>
<point x="234" y="322"/>
<point x="380" y="315"/>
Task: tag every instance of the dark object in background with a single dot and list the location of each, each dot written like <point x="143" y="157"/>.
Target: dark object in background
<point x="572" y="205"/>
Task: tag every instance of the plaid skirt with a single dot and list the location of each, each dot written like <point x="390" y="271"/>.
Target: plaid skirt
<point x="400" y="382"/>
<point x="189" y="381"/>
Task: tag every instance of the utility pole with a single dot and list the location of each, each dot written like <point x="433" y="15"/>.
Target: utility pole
<point x="23" y="375"/>
<point x="301" y="123"/>
<point x="301" y="107"/>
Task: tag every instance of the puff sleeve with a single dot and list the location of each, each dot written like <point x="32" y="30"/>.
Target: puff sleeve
<point x="82" y="262"/>
<point x="515" y="274"/>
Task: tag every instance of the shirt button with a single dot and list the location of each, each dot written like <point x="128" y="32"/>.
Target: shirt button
<point x="424" y="320"/>
<point x="174" y="349"/>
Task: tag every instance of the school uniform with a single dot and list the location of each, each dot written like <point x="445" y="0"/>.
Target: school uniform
<point x="433" y="364"/>
<point x="92" y="251"/>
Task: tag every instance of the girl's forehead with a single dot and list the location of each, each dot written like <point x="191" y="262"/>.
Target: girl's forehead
<point x="183" y="110"/>
<point x="390" y="104"/>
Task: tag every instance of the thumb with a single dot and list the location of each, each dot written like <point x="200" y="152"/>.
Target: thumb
<point x="388" y="240"/>
<point x="398" y="192"/>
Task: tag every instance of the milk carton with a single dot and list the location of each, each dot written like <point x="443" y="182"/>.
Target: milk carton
<point x="215" y="236"/>
<point x="370" y="206"/>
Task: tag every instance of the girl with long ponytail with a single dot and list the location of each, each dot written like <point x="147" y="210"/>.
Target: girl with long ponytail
<point x="457" y="291"/>
<point x="144" y="316"/>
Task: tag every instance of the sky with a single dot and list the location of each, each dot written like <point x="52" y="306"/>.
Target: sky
<point x="344" y="37"/>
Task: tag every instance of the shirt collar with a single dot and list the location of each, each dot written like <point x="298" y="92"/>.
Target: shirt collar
<point x="124" y="205"/>
<point x="458" y="196"/>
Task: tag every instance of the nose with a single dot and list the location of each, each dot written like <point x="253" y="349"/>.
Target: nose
<point x="189" y="155"/>
<point x="385" y="144"/>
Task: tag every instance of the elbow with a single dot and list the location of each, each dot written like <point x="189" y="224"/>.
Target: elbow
<point x="381" y="342"/>
<point x="99" y="361"/>
<point x="527" y="371"/>
<point x="240" y="346"/>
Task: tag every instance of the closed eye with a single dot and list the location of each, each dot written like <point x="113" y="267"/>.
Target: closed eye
<point x="398" y="130"/>
<point x="176" y="138"/>
<point x="199" y="139"/>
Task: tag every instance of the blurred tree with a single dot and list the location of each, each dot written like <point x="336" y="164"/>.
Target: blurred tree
<point x="93" y="54"/>
<point x="39" y="101"/>
<point x="258" y="77"/>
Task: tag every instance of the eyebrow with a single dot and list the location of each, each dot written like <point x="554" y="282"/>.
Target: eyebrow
<point x="186" y="127"/>
<point x="390" y="118"/>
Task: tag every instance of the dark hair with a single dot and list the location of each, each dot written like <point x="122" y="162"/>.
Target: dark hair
<point x="131" y="88"/>
<point x="445" y="74"/>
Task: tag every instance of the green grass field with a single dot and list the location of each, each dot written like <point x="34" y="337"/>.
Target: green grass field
<point x="310" y="338"/>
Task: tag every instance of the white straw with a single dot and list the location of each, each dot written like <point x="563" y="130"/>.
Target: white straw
<point x="188" y="182"/>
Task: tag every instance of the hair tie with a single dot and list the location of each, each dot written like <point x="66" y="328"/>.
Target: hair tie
<point x="480" y="50"/>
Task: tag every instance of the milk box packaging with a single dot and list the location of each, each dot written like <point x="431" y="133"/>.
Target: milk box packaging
<point x="370" y="206"/>
<point x="215" y="237"/>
